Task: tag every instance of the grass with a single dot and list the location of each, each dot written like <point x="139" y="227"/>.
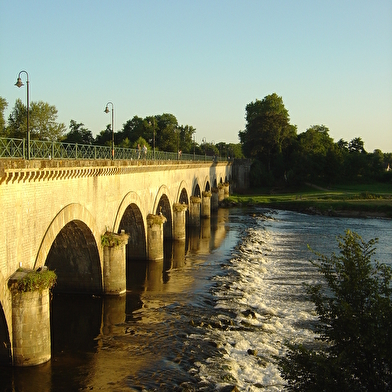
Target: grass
<point x="370" y="199"/>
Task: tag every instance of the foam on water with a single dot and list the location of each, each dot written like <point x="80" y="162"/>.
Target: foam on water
<point x="262" y="290"/>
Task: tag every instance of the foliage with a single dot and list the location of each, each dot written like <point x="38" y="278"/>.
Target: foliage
<point x="3" y="106"/>
<point x="36" y="280"/>
<point x="42" y="122"/>
<point x="78" y="134"/>
<point x="355" y="322"/>
<point x="110" y="239"/>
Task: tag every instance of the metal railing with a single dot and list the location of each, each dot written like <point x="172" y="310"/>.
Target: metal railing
<point x="39" y="149"/>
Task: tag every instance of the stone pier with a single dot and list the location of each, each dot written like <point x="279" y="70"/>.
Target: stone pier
<point x="114" y="261"/>
<point x="194" y="211"/>
<point x="179" y="221"/>
<point x="30" y="320"/>
<point x="206" y="204"/>
<point x="155" y="236"/>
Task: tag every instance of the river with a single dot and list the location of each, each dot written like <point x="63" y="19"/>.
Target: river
<point x="215" y="312"/>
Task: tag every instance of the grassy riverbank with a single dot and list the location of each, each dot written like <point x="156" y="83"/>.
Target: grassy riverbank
<point x="342" y="200"/>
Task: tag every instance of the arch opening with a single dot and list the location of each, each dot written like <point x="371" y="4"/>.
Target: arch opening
<point x="5" y="343"/>
<point x="165" y="208"/>
<point x="132" y="223"/>
<point x="75" y="258"/>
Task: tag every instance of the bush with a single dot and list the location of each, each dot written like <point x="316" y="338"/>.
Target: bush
<point x="353" y="351"/>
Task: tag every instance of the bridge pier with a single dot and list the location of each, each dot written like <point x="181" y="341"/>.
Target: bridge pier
<point x="179" y="221"/>
<point x="155" y="236"/>
<point x="226" y="190"/>
<point x="31" y="344"/>
<point x="114" y="263"/>
<point x="194" y="211"/>
<point x="206" y="205"/>
<point x="221" y="193"/>
<point x="214" y="199"/>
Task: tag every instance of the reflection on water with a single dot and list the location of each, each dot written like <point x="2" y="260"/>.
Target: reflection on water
<point x="108" y="343"/>
<point x="186" y="323"/>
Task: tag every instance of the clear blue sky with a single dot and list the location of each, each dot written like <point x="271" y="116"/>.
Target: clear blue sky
<point x="204" y="61"/>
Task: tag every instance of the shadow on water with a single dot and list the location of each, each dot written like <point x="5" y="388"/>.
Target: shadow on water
<point x="110" y="343"/>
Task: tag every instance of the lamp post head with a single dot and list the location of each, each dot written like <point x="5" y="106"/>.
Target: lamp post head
<point x="19" y="82"/>
<point x="106" y="109"/>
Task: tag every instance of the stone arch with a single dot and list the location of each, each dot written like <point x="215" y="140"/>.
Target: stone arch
<point x="5" y="343"/>
<point x="182" y="194"/>
<point x="67" y="214"/>
<point x="75" y="258"/>
<point x="196" y="191"/>
<point x="129" y="198"/>
<point x="164" y="208"/>
<point x="132" y="223"/>
<point x="206" y="184"/>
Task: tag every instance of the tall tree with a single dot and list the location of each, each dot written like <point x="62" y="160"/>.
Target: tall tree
<point x="268" y="129"/>
<point x="42" y="124"/>
<point x="3" y="106"/>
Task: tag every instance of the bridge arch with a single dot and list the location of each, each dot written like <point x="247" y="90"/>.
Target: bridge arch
<point x="72" y="212"/>
<point x="182" y="194"/>
<point x="75" y="258"/>
<point x="163" y="205"/>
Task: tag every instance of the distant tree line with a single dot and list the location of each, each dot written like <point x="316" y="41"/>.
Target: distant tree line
<point x="280" y="154"/>
<point x="160" y="131"/>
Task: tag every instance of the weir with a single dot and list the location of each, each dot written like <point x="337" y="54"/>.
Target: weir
<point x="58" y="214"/>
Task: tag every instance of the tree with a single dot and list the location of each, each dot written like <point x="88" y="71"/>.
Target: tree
<point x="315" y="153"/>
<point x="42" y="124"/>
<point x="78" y="134"/>
<point x="104" y="138"/>
<point x="268" y="133"/>
<point x="355" y="322"/>
<point x="3" y="106"/>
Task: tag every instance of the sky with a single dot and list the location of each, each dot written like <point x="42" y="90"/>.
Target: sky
<point x="204" y="61"/>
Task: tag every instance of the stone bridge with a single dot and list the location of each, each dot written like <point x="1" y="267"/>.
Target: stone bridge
<point x="86" y="220"/>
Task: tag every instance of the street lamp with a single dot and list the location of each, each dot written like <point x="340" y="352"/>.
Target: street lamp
<point x="19" y="83"/>
<point x="177" y="131"/>
<point x="205" y="147"/>
<point x="153" y="139"/>
<point x="107" y="111"/>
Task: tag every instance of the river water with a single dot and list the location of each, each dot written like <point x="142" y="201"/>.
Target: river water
<point x="216" y="312"/>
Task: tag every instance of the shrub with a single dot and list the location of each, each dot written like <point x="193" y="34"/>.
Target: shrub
<point x="355" y="324"/>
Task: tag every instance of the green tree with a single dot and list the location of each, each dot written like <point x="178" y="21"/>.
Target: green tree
<point x="3" y="106"/>
<point x="268" y="136"/>
<point x="132" y="130"/>
<point x="267" y="130"/>
<point x="104" y="138"/>
<point x="166" y="132"/>
<point x="42" y="122"/>
<point x="315" y="155"/>
<point x="355" y="322"/>
<point x="78" y="134"/>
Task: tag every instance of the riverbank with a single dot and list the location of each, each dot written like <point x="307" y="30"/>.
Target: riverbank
<point x="359" y="201"/>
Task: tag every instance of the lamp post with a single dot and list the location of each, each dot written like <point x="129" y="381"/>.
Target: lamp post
<point x="194" y="146"/>
<point x="107" y="111"/>
<point x="205" y="147"/>
<point x="19" y="83"/>
<point x="177" y="131"/>
<point x="153" y="138"/>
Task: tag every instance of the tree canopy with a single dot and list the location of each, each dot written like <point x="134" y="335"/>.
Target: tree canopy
<point x="42" y="122"/>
